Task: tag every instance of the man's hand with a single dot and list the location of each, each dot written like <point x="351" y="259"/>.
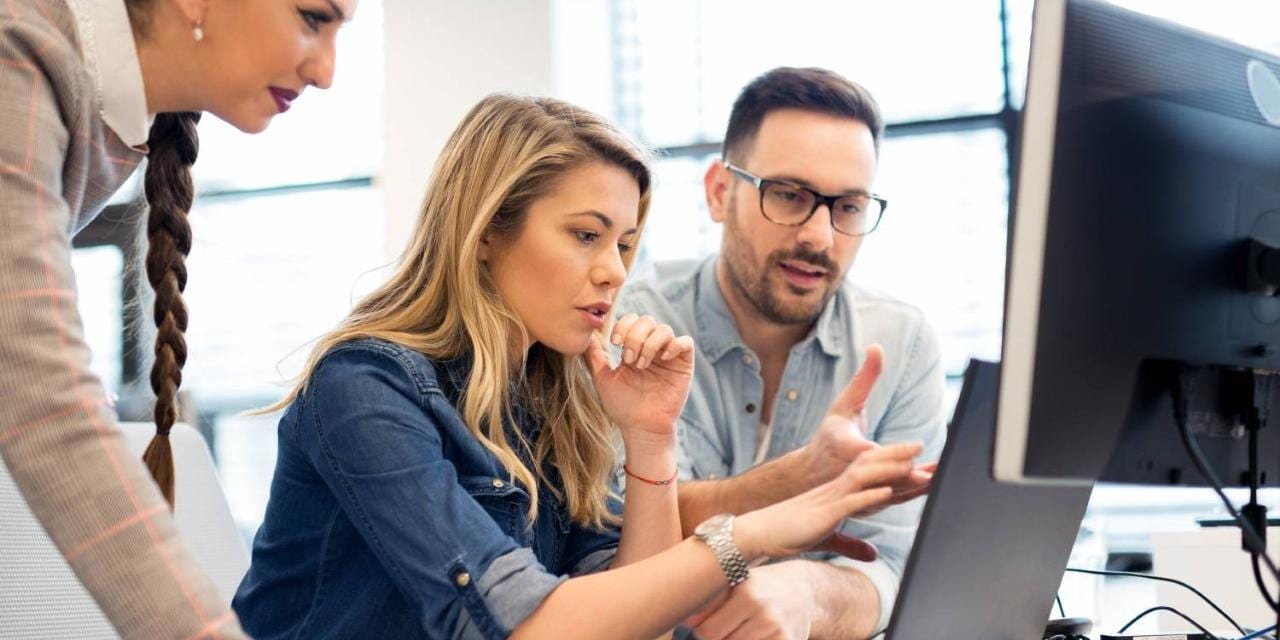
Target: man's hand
<point x="842" y="437"/>
<point x="777" y="601"/>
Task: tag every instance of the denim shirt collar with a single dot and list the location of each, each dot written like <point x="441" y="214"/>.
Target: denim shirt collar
<point x="455" y="373"/>
<point x="718" y="334"/>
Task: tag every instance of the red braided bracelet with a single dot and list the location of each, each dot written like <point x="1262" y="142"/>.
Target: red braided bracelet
<point x="656" y="483"/>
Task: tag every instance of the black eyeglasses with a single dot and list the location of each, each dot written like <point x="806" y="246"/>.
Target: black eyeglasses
<point x="787" y="204"/>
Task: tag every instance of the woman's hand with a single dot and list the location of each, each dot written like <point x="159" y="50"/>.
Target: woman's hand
<point x="646" y="392"/>
<point x="809" y="520"/>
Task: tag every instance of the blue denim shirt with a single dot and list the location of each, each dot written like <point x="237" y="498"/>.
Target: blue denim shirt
<point x="388" y="519"/>
<point x="719" y="423"/>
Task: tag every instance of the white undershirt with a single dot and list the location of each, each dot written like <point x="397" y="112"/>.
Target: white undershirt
<point x="762" y="441"/>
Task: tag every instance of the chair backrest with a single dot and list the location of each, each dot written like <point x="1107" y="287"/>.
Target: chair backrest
<point x="41" y="598"/>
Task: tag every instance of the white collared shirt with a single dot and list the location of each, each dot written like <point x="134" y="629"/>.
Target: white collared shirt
<point x="111" y="56"/>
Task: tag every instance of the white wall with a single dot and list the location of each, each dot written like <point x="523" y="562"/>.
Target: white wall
<point x="442" y="56"/>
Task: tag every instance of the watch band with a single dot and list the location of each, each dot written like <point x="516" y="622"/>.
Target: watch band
<point x="720" y="539"/>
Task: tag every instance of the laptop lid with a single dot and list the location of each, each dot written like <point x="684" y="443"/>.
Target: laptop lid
<point x="988" y="557"/>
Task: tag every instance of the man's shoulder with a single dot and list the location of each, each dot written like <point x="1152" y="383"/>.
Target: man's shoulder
<point x="882" y="318"/>
<point x="667" y="287"/>
<point x="876" y="304"/>
<point x="665" y="277"/>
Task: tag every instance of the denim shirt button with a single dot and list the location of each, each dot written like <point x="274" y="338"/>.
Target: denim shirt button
<point x="498" y="483"/>
<point x="792" y="395"/>
<point x="463" y="579"/>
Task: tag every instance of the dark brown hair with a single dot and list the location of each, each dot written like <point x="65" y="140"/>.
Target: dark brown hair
<point x="808" y="89"/>
<point x="173" y="148"/>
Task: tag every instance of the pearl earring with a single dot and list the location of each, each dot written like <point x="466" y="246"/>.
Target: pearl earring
<point x="197" y="32"/>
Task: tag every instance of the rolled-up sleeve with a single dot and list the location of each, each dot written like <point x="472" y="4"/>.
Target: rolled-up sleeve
<point x="374" y="438"/>
<point x="508" y="591"/>
<point x="915" y="413"/>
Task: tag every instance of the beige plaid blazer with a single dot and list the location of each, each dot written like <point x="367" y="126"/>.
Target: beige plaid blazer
<point x="58" y="165"/>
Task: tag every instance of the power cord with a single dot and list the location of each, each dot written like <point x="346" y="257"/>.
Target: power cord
<point x="1254" y="512"/>
<point x="1261" y="633"/>
<point x="1170" y="610"/>
<point x="1255" y="543"/>
<point x="1180" y="583"/>
<point x="1262" y="586"/>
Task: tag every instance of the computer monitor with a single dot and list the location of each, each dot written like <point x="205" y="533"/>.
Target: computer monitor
<point x="1141" y="278"/>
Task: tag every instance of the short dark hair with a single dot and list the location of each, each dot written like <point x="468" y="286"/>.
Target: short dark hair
<point x="807" y="89"/>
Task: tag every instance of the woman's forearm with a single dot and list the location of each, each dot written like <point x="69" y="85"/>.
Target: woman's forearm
<point x="651" y="513"/>
<point x="642" y="600"/>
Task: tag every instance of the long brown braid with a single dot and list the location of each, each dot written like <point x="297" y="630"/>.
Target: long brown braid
<point x="173" y="147"/>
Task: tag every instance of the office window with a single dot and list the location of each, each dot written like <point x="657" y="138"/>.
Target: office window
<point x="941" y="245"/>
<point x="681" y="63"/>
<point x="268" y="274"/>
<point x="679" y="226"/>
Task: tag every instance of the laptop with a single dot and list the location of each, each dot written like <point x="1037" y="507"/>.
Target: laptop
<point x="988" y="557"/>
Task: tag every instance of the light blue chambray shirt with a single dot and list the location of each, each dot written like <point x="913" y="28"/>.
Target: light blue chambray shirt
<point x="719" y="423"/>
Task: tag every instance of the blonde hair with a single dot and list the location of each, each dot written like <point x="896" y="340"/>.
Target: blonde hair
<point x="508" y="151"/>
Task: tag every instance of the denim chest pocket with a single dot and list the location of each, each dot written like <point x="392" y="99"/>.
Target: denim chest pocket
<point x="705" y="457"/>
<point x="505" y="502"/>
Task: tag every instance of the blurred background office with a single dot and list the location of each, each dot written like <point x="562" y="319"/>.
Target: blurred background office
<point x="293" y="226"/>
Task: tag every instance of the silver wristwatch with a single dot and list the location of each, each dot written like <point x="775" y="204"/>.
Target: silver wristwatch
<point x="717" y="533"/>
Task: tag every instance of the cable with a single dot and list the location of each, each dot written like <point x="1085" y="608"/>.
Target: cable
<point x="1262" y="586"/>
<point x="1170" y="610"/>
<point x="1259" y="633"/>
<point x="1257" y="511"/>
<point x="1062" y="612"/>
<point x="1180" y="583"/>
<point x="1197" y="457"/>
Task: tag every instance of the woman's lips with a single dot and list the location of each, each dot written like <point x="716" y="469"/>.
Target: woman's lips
<point x="283" y="97"/>
<point x="596" y="321"/>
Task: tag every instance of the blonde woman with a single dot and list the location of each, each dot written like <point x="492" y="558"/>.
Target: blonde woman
<point x="88" y="89"/>
<point x="444" y="468"/>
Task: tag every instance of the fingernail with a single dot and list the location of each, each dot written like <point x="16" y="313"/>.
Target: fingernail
<point x="616" y="339"/>
<point x="641" y="363"/>
<point x="628" y="356"/>
<point x="666" y="355"/>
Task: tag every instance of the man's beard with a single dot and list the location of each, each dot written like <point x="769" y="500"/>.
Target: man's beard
<point x="749" y="276"/>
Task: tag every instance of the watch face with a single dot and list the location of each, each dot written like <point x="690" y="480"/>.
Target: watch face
<point x="712" y="524"/>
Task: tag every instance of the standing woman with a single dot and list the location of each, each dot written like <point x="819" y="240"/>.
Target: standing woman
<point x="88" y="88"/>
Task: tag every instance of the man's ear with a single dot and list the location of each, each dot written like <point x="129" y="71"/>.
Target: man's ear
<point x="717" y="183"/>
